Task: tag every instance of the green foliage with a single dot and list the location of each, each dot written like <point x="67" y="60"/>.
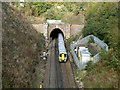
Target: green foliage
<point x="6" y="81"/>
<point x="71" y="39"/>
<point x="110" y="57"/>
<point x="114" y="62"/>
<point x="37" y="8"/>
<point x="102" y="21"/>
<point x="104" y="53"/>
<point x="98" y="85"/>
<point x="16" y="4"/>
<point x="90" y="66"/>
<point x="50" y="9"/>
<point x="93" y="53"/>
<point x="68" y="42"/>
<point x="56" y="13"/>
<point x="91" y="40"/>
<point x="73" y="7"/>
<point x="81" y="74"/>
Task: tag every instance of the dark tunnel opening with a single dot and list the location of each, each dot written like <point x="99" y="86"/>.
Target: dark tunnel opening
<point x="55" y="32"/>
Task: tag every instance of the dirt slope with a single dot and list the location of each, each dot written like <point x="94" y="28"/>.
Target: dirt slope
<point x="21" y="48"/>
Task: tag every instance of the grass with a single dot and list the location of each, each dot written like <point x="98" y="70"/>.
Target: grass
<point x="81" y="74"/>
<point x="102" y="77"/>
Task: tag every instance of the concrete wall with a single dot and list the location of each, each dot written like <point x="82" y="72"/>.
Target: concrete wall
<point x="76" y="28"/>
<point x="67" y="29"/>
<point x="51" y="27"/>
<point x="42" y="28"/>
<point x="45" y="28"/>
<point x="39" y="27"/>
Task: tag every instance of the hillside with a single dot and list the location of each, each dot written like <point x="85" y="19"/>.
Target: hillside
<point x="101" y="21"/>
<point x="63" y="13"/>
<point x="39" y="12"/>
<point x="21" y="49"/>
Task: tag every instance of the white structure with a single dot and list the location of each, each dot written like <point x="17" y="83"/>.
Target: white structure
<point x="21" y="3"/>
<point x="84" y="55"/>
<point x="54" y="21"/>
<point x="45" y="30"/>
<point x="21" y="0"/>
<point x="83" y="49"/>
<point x="58" y="7"/>
<point x="44" y="55"/>
<point x="75" y="51"/>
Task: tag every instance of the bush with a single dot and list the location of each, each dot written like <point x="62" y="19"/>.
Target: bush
<point x="91" y="40"/>
<point x="104" y="53"/>
<point x="114" y="62"/>
<point x="103" y="23"/>
<point x="72" y="38"/>
<point x="90" y="66"/>
<point x="110" y="58"/>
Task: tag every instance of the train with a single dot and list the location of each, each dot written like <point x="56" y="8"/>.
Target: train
<point x="62" y="49"/>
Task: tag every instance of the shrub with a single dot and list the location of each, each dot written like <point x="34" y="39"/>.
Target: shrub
<point x="114" y="62"/>
<point x="91" y="40"/>
<point x="103" y="23"/>
<point x="90" y="66"/>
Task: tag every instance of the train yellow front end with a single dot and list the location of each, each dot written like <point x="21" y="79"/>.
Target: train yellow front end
<point x="62" y="57"/>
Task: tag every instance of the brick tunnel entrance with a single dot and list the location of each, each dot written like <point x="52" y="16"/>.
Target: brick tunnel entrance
<point x="54" y="33"/>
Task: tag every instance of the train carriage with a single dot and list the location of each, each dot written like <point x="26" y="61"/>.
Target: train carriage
<point x="62" y="50"/>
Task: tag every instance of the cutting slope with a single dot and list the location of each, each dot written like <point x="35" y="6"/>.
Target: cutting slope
<point x="21" y="47"/>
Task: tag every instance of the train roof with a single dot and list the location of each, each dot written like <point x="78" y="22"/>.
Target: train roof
<point x="61" y="43"/>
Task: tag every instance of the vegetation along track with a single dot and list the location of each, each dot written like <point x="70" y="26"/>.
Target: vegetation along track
<point x="58" y="75"/>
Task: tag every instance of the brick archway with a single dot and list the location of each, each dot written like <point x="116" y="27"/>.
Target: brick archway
<point x="56" y="28"/>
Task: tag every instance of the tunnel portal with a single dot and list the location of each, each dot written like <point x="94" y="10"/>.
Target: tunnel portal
<point x="55" y="32"/>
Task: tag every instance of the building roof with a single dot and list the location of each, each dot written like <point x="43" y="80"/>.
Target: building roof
<point x="83" y="52"/>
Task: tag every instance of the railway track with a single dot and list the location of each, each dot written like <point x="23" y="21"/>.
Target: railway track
<point x="58" y="75"/>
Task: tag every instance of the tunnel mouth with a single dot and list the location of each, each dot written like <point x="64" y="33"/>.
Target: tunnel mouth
<point x="55" y="32"/>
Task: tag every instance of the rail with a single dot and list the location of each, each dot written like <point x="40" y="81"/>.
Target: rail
<point x="58" y="75"/>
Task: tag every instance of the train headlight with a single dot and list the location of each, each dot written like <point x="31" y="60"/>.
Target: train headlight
<point x="60" y="55"/>
<point x="65" y="55"/>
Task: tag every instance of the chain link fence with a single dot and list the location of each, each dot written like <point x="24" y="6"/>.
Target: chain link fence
<point x="96" y="58"/>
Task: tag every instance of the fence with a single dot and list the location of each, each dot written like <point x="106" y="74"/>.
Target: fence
<point x="96" y="58"/>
